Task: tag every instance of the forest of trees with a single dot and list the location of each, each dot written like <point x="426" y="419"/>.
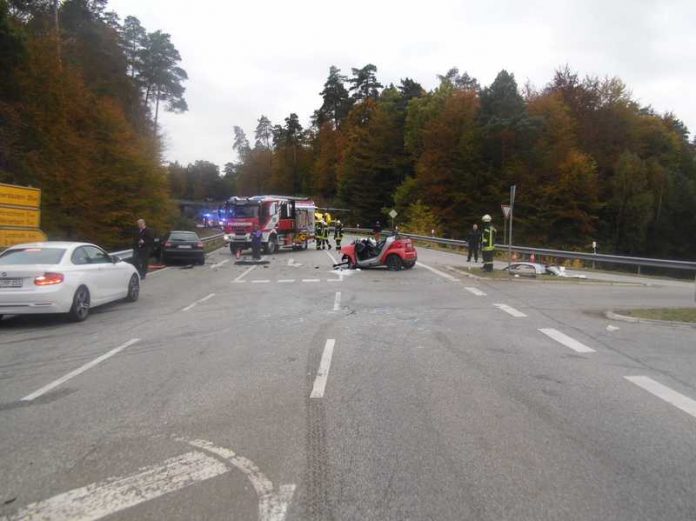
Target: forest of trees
<point x="589" y="162"/>
<point x="80" y="95"/>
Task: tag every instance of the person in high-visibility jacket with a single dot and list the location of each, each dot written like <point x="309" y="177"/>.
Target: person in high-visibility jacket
<point x="325" y="236"/>
<point x="487" y="243"/>
<point x="338" y="233"/>
<point x="319" y="233"/>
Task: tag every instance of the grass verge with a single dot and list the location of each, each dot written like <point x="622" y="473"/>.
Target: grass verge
<point x="670" y="314"/>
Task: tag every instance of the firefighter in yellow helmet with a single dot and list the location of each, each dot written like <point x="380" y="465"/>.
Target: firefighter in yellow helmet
<point x="338" y="233"/>
<point x="487" y="243"/>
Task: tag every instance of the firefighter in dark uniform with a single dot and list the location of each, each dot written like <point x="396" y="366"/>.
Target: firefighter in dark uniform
<point x="319" y="233"/>
<point x="338" y="234"/>
<point x="326" y="237"/>
<point x="487" y="243"/>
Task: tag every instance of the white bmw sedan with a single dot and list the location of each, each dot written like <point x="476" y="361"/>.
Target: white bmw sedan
<point x="63" y="277"/>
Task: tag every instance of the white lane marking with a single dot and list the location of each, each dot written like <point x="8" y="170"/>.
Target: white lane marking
<point x="311" y="280"/>
<point x="476" y="292"/>
<point x="335" y="280"/>
<point x="112" y="495"/>
<point x="199" y="301"/>
<point x="272" y="505"/>
<point x="207" y="297"/>
<point x="285" y="281"/>
<point x="337" y="301"/>
<point x="438" y="272"/>
<point x="221" y="263"/>
<point x="240" y="277"/>
<point x="333" y="260"/>
<point x="291" y="262"/>
<point x="611" y="328"/>
<point x="260" y="281"/>
<point x="567" y="341"/>
<point x="79" y="371"/>
<point x="671" y="396"/>
<point x="510" y="310"/>
<point x="323" y="372"/>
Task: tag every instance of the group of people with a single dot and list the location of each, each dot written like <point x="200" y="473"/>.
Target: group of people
<point x="321" y="234"/>
<point x="483" y="240"/>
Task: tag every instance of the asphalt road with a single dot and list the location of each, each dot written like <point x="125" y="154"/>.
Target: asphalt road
<point x="292" y="391"/>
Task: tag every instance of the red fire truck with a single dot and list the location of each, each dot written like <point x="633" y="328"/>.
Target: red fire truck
<point x="284" y="222"/>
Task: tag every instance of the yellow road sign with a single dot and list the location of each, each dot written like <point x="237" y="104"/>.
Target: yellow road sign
<point x="20" y="196"/>
<point x="20" y="217"/>
<point x="12" y="237"/>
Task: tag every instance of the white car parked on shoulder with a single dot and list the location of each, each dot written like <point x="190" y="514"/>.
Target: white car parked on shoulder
<point x="63" y="277"/>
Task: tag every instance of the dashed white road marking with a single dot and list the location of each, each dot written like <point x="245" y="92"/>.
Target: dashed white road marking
<point x="285" y="281"/>
<point x="510" y="310"/>
<point x="245" y="272"/>
<point x="78" y="371"/>
<point x="221" y="263"/>
<point x="323" y="372"/>
<point x="567" y="341"/>
<point x="311" y="280"/>
<point x="611" y="328"/>
<point x="333" y="260"/>
<point x="335" y="280"/>
<point x="337" y="301"/>
<point x="272" y="505"/>
<point x="199" y="301"/>
<point x="107" y="497"/>
<point x="476" y="292"/>
<point x="437" y="272"/>
<point x="260" y="281"/>
<point x="671" y="396"/>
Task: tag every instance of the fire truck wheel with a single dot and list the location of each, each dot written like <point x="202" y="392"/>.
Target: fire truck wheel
<point x="271" y="247"/>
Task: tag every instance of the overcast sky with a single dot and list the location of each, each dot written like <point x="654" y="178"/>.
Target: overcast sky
<point x="247" y="58"/>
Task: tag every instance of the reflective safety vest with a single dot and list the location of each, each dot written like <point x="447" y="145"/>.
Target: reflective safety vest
<point x="488" y="238"/>
<point x="318" y="230"/>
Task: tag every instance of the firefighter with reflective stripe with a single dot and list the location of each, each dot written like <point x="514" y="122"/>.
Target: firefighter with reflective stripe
<point x="338" y="233"/>
<point x="325" y="237"/>
<point x="487" y="243"/>
<point x="319" y="233"/>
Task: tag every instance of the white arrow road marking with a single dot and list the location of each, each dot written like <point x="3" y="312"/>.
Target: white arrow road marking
<point x="671" y="396"/>
<point x="291" y="262"/>
<point x="510" y="310"/>
<point x="272" y="505"/>
<point x="115" y="494"/>
<point x="79" y="371"/>
<point x="438" y="272"/>
<point x="323" y="372"/>
<point x="567" y="341"/>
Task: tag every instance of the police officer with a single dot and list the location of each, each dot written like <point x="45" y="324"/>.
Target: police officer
<point x="487" y="243"/>
<point x="338" y="233"/>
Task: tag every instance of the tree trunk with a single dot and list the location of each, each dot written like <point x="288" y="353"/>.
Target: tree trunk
<point x="157" y="100"/>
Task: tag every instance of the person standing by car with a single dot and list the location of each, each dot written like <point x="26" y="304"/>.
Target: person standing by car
<point x="474" y="242"/>
<point x="256" y="238"/>
<point x="142" y="247"/>
<point x="338" y="233"/>
<point x="377" y="231"/>
<point x="488" y="243"/>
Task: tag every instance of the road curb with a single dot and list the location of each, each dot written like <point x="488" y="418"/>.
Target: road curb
<point x="634" y="320"/>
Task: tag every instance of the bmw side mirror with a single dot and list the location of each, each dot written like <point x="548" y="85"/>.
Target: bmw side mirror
<point x="115" y="259"/>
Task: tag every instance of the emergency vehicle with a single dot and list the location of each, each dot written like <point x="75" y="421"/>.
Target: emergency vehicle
<point x="284" y="222"/>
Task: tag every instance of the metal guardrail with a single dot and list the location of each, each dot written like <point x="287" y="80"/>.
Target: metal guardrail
<point x="563" y="254"/>
<point x="127" y="255"/>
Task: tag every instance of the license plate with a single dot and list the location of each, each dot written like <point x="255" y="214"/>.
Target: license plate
<point x="186" y="246"/>
<point x="10" y="283"/>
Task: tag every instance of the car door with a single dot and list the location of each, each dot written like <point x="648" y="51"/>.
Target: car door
<point x="89" y="274"/>
<point x="106" y="276"/>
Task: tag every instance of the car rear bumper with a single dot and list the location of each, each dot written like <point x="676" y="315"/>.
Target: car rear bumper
<point x="56" y="299"/>
<point x="182" y="254"/>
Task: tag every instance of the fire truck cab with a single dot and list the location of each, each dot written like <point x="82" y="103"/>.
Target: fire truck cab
<point x="285" y="222"/>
